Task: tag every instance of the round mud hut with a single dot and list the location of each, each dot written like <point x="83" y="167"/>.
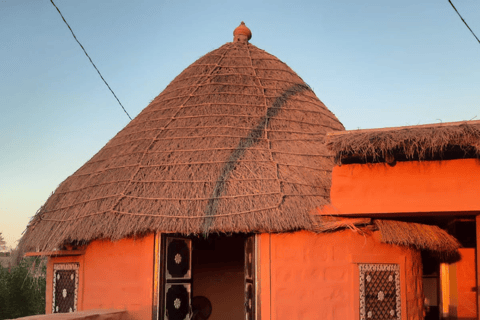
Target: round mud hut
<point x="207" y="206"/>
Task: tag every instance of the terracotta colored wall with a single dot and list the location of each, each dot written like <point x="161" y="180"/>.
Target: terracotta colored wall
<point x="412" y="186"/>
<point x="315" y="276"/>
<point x="113" y="275"/>
<point x="414" y="283"/>
<point x="466" y="283"/>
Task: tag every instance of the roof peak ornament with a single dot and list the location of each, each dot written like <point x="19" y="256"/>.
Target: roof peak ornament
<point x="242" y="33"/>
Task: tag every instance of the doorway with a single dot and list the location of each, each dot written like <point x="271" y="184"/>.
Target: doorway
<point x="431" y="286"/>
<point x="207" y="278"/>
<point x="450" y="288"/>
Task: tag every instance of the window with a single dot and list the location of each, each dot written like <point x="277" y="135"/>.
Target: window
<point x="380" y="291"/>
<point x="65" y="287"/>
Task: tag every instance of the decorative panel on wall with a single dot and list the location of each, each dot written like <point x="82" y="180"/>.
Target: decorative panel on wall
<point x="177" y="301"/>
<point x="65" y="287"/>
<point x="179" y="259"/>
<point x="380" y="292"/>
<point x="178" y="278"/>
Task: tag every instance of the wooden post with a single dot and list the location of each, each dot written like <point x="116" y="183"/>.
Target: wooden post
<point x="156" y="274"/>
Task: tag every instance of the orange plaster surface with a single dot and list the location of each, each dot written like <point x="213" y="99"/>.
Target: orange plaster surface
<point x="304" y="275"/>
<point x="113" y="275"/>
<point x="466" y="285"/>
<point x="410" y="186"/>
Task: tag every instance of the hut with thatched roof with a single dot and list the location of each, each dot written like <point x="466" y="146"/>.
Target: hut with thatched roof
<point x="424" y="173"/>
<point x="211" y="204"/>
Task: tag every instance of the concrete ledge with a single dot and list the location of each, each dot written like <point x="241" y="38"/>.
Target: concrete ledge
<point x="109" y="314"/>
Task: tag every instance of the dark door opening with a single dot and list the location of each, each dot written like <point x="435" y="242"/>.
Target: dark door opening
<point x="210" y="278"/>
<point x="431" y="286"/>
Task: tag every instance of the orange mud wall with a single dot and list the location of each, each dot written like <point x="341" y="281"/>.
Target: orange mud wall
<point x="304" y="275"/>
<point x="460" y="302"/>
<point x="417" y="188"/>
<point x="407" y="187"/>
<point x="112" y="275"/>
<point x="466" y="285"/>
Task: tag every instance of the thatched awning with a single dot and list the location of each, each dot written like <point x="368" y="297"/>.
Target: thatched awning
<point x="235" y="143"/>
<point x="327" y="223"/>
<point x="433" y="141"/>
<point x="409" y="234"/>
<point x="420" y="236"/>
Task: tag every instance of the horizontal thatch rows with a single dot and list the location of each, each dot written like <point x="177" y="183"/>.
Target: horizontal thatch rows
<point x="233" y="144"/>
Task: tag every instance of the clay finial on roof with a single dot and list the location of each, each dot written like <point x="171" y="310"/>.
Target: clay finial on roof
<point x="242" y="33"/>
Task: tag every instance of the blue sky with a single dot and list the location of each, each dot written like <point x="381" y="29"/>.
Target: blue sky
<point x="374" y="63"/>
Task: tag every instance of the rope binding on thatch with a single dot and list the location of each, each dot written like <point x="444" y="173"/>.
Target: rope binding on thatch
<point x="235" y="143"/>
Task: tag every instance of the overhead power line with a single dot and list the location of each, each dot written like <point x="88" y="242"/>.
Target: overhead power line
<point x="463" y="21"/>
<point x="90" y="59"/>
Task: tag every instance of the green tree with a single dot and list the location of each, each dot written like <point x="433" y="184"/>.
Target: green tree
<point x="3" y="243"/>
<point x="22" y="289"/>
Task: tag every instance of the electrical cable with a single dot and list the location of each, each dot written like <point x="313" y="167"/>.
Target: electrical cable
<point x="464" y="21"/>
<point x="90" y="59"/>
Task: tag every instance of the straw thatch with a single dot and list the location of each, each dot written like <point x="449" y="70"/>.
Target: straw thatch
<point x="235" y="143"/>
<point x="420" y="236"/>
<point x="326" y="223"/>
<point x="409" y="234"/>
<point x="437" y="141"/>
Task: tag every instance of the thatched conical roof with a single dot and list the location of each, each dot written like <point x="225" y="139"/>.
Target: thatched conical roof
<point x="235" y="143"/>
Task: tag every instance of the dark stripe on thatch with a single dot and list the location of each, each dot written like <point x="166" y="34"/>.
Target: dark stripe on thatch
<point x="235" y="143"/>
<point x="435" y="141"/>
<point x="252" y="139"/>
